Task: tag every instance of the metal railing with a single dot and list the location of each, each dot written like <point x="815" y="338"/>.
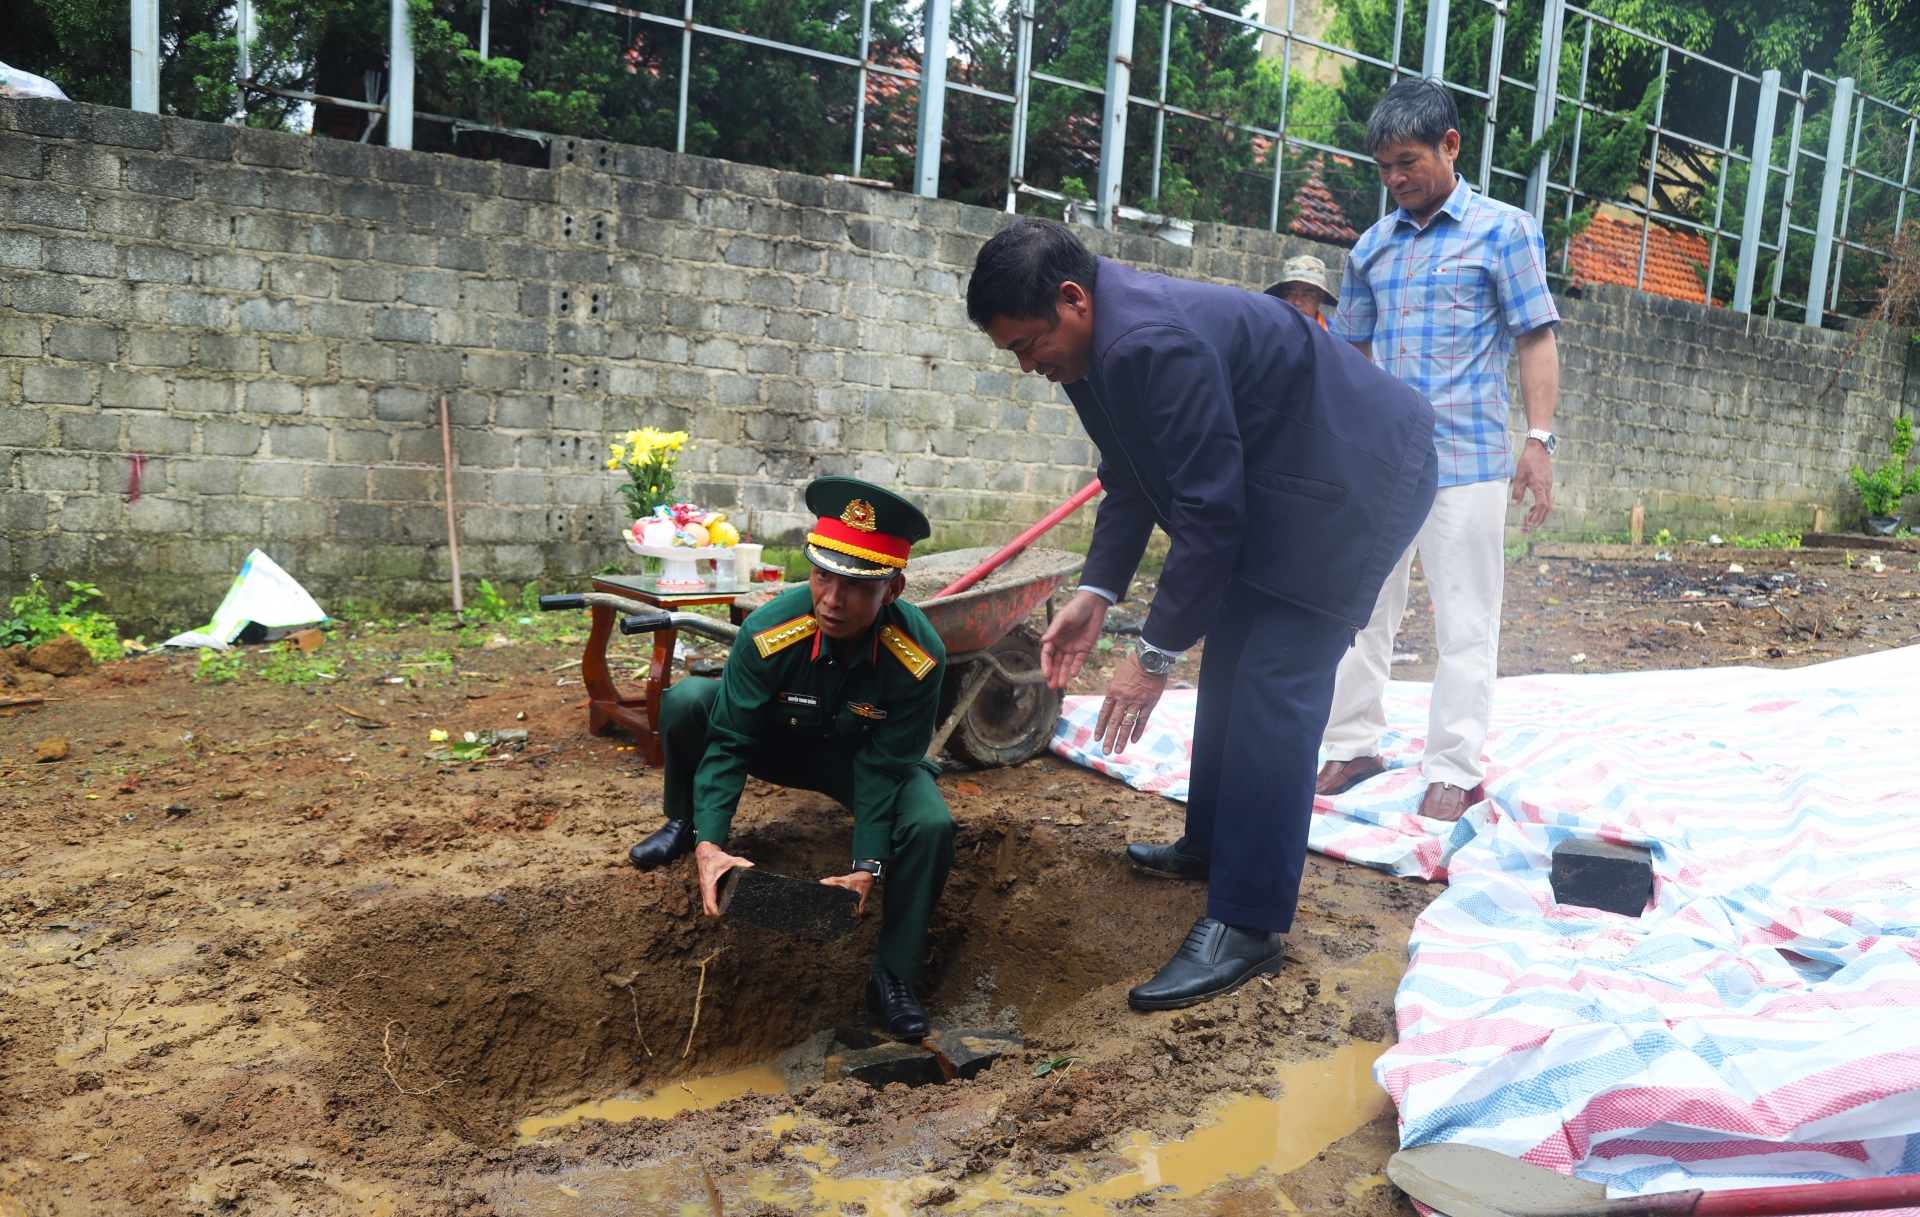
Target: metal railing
<point x="1551" y="184"/>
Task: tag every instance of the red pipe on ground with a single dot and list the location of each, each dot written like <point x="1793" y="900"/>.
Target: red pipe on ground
<point x="1001" y="555"/>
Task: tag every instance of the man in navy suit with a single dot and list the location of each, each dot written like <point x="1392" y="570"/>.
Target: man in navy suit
<point x="1290" y="474"/>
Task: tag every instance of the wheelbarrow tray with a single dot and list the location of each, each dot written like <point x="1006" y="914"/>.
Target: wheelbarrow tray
<point x="981" y="616"/>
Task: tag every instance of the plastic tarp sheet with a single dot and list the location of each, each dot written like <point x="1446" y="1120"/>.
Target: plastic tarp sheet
<point x="1756" y="1025"/>
<point x="261" y="592"/>
<point x="16" y="83"/>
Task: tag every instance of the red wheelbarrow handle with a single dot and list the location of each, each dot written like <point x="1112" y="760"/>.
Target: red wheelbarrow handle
<point x="1790" y="1200"/>
<point x="1020" y="542"/>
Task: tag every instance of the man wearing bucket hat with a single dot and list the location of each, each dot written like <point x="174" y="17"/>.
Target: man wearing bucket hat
<point x="1303" y="284"/>
<point x="832" y="687"/>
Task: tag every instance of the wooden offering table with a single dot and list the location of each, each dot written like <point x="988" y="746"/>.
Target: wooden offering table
<point x="607" y="710"/>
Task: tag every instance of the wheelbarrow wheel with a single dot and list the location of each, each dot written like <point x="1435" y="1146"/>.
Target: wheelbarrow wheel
<point x="1007" y="723"/>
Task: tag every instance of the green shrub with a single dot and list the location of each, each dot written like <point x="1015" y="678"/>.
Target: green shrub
<point x="36" y="619"/>
<point x="1882" y="490"/>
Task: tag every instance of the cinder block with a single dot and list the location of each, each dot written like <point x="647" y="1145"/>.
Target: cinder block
<point x="885" y="1064"/>
<point x="1602" y="875"/>
<point x="963" y="1054"/>
<point x="796" y="906"/>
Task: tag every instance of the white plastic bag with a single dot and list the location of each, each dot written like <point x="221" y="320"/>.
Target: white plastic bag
<point x="16" y="83"/>
<point x="261" y="592"/>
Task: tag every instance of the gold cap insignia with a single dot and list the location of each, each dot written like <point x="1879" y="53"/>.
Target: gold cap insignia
<point x="859" y="514"/>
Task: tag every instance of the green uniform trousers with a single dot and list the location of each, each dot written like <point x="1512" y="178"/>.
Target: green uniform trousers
<point x="922" y="825"/>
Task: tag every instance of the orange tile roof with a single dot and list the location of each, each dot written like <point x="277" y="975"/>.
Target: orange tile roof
<point x="1319" y="216"/>
<point x="1609" y="252"/>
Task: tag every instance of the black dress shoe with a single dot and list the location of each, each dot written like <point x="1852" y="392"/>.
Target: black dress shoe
<point x="670" y="842"/>
<point x="891" y="1000"/>
<point x="1184" y="859"/>
<point x="1216" y="959"/>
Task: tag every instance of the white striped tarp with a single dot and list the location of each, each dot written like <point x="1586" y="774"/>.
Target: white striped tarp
<point x="1759" y="1023"/>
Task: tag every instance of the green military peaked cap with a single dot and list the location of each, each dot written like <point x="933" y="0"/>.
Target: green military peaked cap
<point x="864" y="530"/>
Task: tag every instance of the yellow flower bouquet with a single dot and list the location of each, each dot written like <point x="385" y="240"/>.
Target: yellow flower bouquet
<point x="648" y="456"/>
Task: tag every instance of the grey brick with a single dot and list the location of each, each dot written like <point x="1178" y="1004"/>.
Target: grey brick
<point x="277" y="234"/>
<point x="338" y="482"/>
<point x="206" y="141"/>
<point x="271" y="316"/>
<point x="234" y="272"/>
<point x="297" y="519"/>
<point x="369" y="283"/>
<point x="337" y="401"/>
<point x="198" y="310"/>
<point x="28" y="428"/>
<point x="79" y="256"/>
<point x="404" y="249"/>
<point x="79" y="341"/>
<point x="339" y="158"/>
<point x="272" y="397"/>
<point x="298" y="358"/>
<point x="158" y="264"/>
<point x="298" y="442"/>
<point x="339" y="240"/>
<point x="426" y="210"/>
<point x="92" y="513"/>
<point x="402" y="325"/>
<point x="220" y="437"/>
<point x="48" y="116"/>
<point x="49" y="206"/>
<point x="337" y="320"/>
<point x="133" y="391"/>
<point x="432" y="289"/>
<point x="157" y="433"/>
<point x="368" y="363"/>
<point x="23" y="513"/>
<point x="236" y="187"/>
<point x="158" y="348"/>
<point x="229" y="353"/>
<point x="58" y="386"/>
<point x="125" y="128"/>
<point x="20" y="250"/>
<point x="367" y="446"/>
<point x="401" y="405"/>
<point x="199" y="395"/>
<point x="460" y="253"/>
<point x="154" y="514"/>
<point x="376" y="203"/>
<point x="278" y="149"/>
<point x="298" y="277"/>
<point x="83" y="167"/>
<point x="150" y="175"/>
<point x="232" y="517"/>
<point x="21" y="157"/>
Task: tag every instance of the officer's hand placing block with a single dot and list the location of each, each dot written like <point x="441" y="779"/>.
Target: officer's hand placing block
<point x="1602" y="875"/>
<point x="797" y="906"/>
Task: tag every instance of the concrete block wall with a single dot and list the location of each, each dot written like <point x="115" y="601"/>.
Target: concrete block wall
<point x="265" y="324"/>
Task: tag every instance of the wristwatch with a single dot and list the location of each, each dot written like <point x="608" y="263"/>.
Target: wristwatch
<point x="1546" y="439"/>
<point x="871" y="866"/>
<point x="1154" y="661"/>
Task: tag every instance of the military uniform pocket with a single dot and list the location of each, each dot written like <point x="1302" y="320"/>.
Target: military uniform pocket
<point x="799" y="712"/>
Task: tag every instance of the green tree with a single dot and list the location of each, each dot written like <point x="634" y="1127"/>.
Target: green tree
<point x="86" y="47"/>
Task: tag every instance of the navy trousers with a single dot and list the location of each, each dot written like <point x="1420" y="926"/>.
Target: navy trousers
<point x="1266" y="688"/>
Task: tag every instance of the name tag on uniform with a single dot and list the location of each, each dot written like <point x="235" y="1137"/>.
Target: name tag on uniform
<point x="798" y="699"/>
<point x="866" y="709"/>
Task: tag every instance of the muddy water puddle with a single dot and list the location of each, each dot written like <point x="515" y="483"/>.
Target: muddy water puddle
<point x="1322" y="1102"/>
<point x="694" y="1094"/>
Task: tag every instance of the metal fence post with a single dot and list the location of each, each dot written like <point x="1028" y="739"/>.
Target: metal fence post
<point x="400" y="76"/>
<point x="486" y="25"/>
<point x="146" y="55"/>
<point x="1113" y="119"/>
<point x="1545" y="94"/>
<point x="1761" y="171"/>
<point x="860" y="98"/>
<point x="686" y="69"/>
<point x="933" y="99"/>
<point x="1160" y="115"/>
<point x="1433" y="59"/>
<point x="1022" y="93"/>
<point x="243" y="35"/>
<point x="1829" y="199"/>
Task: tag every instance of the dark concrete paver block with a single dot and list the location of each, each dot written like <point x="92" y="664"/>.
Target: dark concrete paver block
<point x="964" y="1054"/>
<point x="797" y="906"/>
<point x="1602" y="875"/>
<point x="886" y="1063"/>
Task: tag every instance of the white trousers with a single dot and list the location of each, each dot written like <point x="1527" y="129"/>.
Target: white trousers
<point x="1462" y="553"/>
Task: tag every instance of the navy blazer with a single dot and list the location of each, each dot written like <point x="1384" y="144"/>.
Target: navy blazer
<point x="1268" y="450"/>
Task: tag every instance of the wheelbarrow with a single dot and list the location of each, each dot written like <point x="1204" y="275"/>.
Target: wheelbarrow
<point x="995" y="708"/>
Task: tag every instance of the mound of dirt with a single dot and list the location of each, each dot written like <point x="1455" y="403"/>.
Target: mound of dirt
<point x="61" y="655"/>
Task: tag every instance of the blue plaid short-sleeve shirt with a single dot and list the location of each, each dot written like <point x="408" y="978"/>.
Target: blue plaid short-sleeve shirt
<point x="1442" y="306"/>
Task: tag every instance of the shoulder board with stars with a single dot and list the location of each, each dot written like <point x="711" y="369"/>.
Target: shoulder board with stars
<point x="907" y="651"/>
<point x="778" y="638"/>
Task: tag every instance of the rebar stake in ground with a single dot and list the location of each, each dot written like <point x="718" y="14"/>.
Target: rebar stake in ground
<point x="697" y="995"/>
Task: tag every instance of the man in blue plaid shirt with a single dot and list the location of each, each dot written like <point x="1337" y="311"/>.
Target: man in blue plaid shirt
<point x="1439" y="294"/>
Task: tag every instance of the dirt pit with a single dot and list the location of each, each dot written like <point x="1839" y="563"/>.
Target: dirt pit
<point x="269" y="950"/>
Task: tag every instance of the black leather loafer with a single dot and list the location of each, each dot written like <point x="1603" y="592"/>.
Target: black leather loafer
<point x="1184" y="859"/>
<point x="672" y="841"/>
<point x="891" y="1000"/>
<point x="1216" y="959"/>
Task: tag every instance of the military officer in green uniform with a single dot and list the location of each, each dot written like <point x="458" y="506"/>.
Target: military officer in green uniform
<point x="833" y="687"/>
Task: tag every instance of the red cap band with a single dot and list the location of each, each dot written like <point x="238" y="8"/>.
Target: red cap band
<point x="873" y="546"/>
